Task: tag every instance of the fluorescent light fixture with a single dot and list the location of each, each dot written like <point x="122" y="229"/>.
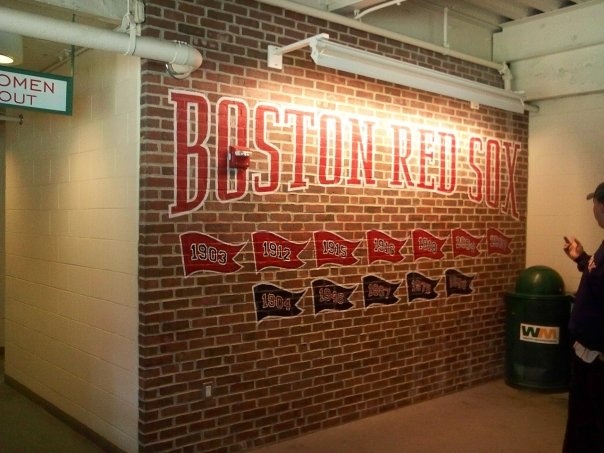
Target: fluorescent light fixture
<point x="11" y="48"/>
<point x="356" y="61"/>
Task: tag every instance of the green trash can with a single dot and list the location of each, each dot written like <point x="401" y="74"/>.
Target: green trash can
<point x="537" y="354"/>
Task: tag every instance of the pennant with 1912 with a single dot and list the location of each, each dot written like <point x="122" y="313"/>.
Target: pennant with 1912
<point x="327" y="295"/>
<point x="272" y="250"/>
<point x="378" y="291"/>
<point x="458" y="283"/>
<point x="201" y="252"/>
<point x="420" y="287"/>
<point x="271" y="300"/>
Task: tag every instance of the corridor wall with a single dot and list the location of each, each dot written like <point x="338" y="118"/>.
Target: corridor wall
<point x="2" y="185"/>
<point x="71" y="250"/>
<point x="566" y="163"/>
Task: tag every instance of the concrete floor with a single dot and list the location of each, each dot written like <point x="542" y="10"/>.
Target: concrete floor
<point x="26" y="427"/>
<point x="491" y="418"/>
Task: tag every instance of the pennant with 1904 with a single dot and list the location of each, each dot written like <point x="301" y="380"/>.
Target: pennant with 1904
<point x="271" y="300"/>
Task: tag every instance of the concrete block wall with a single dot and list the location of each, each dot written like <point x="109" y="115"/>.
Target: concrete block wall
<point x="2" y="261"/>
<point x="263" y="313"/>
<point x="71" y="254"/>
<point x="565" y="164"/>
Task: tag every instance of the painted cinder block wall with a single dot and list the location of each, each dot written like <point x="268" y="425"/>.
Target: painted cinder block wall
<point x="565" y="164"/>
<point x="71" y="249"/>
<point x="2" y="243"/>
<point x="213" y="240"/>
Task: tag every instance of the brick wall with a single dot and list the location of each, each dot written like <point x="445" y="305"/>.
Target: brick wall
<point x="357" y="191"/>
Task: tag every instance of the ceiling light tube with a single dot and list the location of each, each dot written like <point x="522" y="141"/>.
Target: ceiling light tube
<point x="348" y="59"/>
<point x="356" y="61"/>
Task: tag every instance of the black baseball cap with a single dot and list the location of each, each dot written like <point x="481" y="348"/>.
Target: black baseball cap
<point x="598" y="194"/>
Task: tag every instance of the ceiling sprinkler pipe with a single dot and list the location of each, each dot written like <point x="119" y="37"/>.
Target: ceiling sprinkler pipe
<point x="359" y="14"/>
<point x="181" y="58"/>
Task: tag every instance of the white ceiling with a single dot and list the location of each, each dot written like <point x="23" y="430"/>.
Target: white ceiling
<point x="493" y="12"/>
<point x="420" y="19"/>
<point x="40" y="55"/>
<point x="464" y="26"/>
<point x="535" y="37"/>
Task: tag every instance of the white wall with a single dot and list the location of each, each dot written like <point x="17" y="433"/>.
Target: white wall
<point x="2" y="294"/>
<point x="71" y="250"/>
<point x="566" y="161"/>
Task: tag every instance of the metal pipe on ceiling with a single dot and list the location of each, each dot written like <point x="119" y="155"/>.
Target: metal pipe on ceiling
<point x="180" y="58"/>
<point x="358" y="14"/>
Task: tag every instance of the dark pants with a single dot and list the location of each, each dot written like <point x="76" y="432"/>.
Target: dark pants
<point x="585" y="424"/>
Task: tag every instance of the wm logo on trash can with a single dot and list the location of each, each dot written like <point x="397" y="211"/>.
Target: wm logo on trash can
<point x="539" y="334"/>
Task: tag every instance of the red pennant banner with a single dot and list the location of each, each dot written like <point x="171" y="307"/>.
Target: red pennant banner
<point x="272" y="250"/>
<point x="201" y="252"/>
<point x="497" y="242"/>
<point x="464" y="243"/>
<point x="333" y="249"/>
<point x="381" y="247"/>
<point x="425" y="245"/>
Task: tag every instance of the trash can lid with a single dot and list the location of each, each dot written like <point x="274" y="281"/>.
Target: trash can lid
<point x="539" y="280"/>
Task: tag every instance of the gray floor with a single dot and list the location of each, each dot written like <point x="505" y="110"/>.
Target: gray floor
<point x="27" y="428"/>
<point x="491" y="418"/>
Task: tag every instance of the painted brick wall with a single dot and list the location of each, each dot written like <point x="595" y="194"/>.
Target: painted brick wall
<point x="333" y="356"/>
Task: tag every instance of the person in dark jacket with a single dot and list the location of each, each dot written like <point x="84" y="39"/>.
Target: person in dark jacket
<point x="585" y="423"/>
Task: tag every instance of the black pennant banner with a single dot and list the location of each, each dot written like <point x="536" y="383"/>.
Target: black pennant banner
<point x="378" y="291"/>
<point x="458" y="283"/>
<point x="420" y="287"/>
<point x="271" y="300"/>
<point x="329" y="296"/>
